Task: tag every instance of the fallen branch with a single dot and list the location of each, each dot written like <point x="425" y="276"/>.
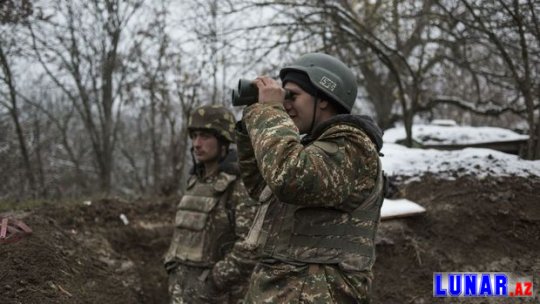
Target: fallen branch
<point x="64" y="291"/>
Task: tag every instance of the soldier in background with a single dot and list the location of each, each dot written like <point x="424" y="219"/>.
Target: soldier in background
<point x="214" y="213"/>
<point x="320" y="195"/>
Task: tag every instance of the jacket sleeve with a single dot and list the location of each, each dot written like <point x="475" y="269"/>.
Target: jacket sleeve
<point x="322" y="174"/>
<point x="250" y="174"/>
<point x="235" y="268"/>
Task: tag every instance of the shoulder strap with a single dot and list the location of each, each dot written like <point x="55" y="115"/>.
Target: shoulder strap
<point x="377" y="193"/>
<point x="190" y="182"/>
<point x="230" y="209"/>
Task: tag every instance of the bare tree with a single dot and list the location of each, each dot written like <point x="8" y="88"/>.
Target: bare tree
<point x="13" y="11"/>
<point x="58" y="111"/>
<point x="80" y="48"/>
<point x="398" y="34"/>
<point x="154" y="83"/>
<point x="163" y="93"/>
<point x="390" y="42"/>
<point x="411" y="57"/>
<point x="509" y="32"/>
<point x="11" y="14"/>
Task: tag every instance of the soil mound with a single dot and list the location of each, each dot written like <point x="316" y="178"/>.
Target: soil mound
<point x="50" y="266"/>
<point x="110" y="251"/>
<point x="471" y="224"/>
<point x="86" y="253"/>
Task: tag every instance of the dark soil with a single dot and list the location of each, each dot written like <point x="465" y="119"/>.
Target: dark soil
<point x="86" y="254"/>
<point x="484" y="225"/>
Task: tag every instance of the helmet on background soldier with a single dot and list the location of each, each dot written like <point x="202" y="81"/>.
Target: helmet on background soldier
<point x="215" y="118"/>
<point x="329" y="75"/>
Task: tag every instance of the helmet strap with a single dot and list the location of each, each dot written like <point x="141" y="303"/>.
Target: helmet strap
<point x="316" y="100"/>
<point x="198" y="169"/>
<point x="221" y="157"/>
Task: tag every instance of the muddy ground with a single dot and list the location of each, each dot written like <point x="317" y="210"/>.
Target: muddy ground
<point x="85" y="253"/>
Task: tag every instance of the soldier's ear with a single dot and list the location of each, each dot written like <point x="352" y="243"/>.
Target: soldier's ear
<point x="323" y="104"/>
<point x="328" y="106"/>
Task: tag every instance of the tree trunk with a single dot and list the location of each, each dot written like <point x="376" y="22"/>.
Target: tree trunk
<point x="14" y="113"/>
<point x="39" y="157"/>
<point x="536" y="154"/>
<point x="156" y="149"/>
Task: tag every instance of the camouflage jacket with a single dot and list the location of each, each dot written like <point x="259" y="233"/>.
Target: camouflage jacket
<point x="224" y="272"/>
<point x="334" y="169"/>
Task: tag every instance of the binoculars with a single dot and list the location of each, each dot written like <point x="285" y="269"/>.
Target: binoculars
<point x="248" y="93"/>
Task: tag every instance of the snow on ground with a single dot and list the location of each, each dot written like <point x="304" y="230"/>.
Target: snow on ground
<point x="409" y="162"/>
<point x="437" y="135"/>
<point x="392" y="208"/>
<point x="400" y="160"/>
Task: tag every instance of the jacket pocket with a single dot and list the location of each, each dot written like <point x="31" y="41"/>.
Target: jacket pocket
<point x="191" y="219"/>
<point x="193" y="211"/>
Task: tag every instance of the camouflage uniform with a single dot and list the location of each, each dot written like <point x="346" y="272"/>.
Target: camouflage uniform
<point x="213" y="214"/>
<point x="321" y="198"/>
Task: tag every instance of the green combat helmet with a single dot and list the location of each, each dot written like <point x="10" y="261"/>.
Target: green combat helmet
<point x="329" y="75"/>
<point x="213" y="117"/>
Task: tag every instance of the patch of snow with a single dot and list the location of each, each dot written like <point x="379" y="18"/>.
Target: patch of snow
<point x="444" y="122"/>
<point x="400" y="208"/>
<point x="450" y="135"/>
<point x="412" y="163"/>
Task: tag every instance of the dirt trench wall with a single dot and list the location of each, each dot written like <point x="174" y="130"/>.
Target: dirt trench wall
<point x="86" y="254"/>
<point x="470" y="225"/>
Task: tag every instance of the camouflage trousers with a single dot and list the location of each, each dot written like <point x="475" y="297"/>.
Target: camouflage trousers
<point x="311" y="283"/>
<point x="187" y="286"/>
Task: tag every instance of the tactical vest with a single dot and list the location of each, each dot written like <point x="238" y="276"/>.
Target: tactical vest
<point x="204" y="227"/>
<point x="320" y="235"/>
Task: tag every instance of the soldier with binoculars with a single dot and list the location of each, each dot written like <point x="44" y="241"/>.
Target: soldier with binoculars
<point x="320" y="195"/>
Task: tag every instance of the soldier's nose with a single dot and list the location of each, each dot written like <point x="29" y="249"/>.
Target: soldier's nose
<point x="196" y="141"/>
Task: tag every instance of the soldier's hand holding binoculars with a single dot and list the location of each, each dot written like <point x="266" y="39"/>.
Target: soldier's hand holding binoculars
<point x="269" y="90"/>
<point x="247" y="92"/>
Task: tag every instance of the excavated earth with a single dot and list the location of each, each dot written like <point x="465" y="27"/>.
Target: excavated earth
<point x="109" y="251"/>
